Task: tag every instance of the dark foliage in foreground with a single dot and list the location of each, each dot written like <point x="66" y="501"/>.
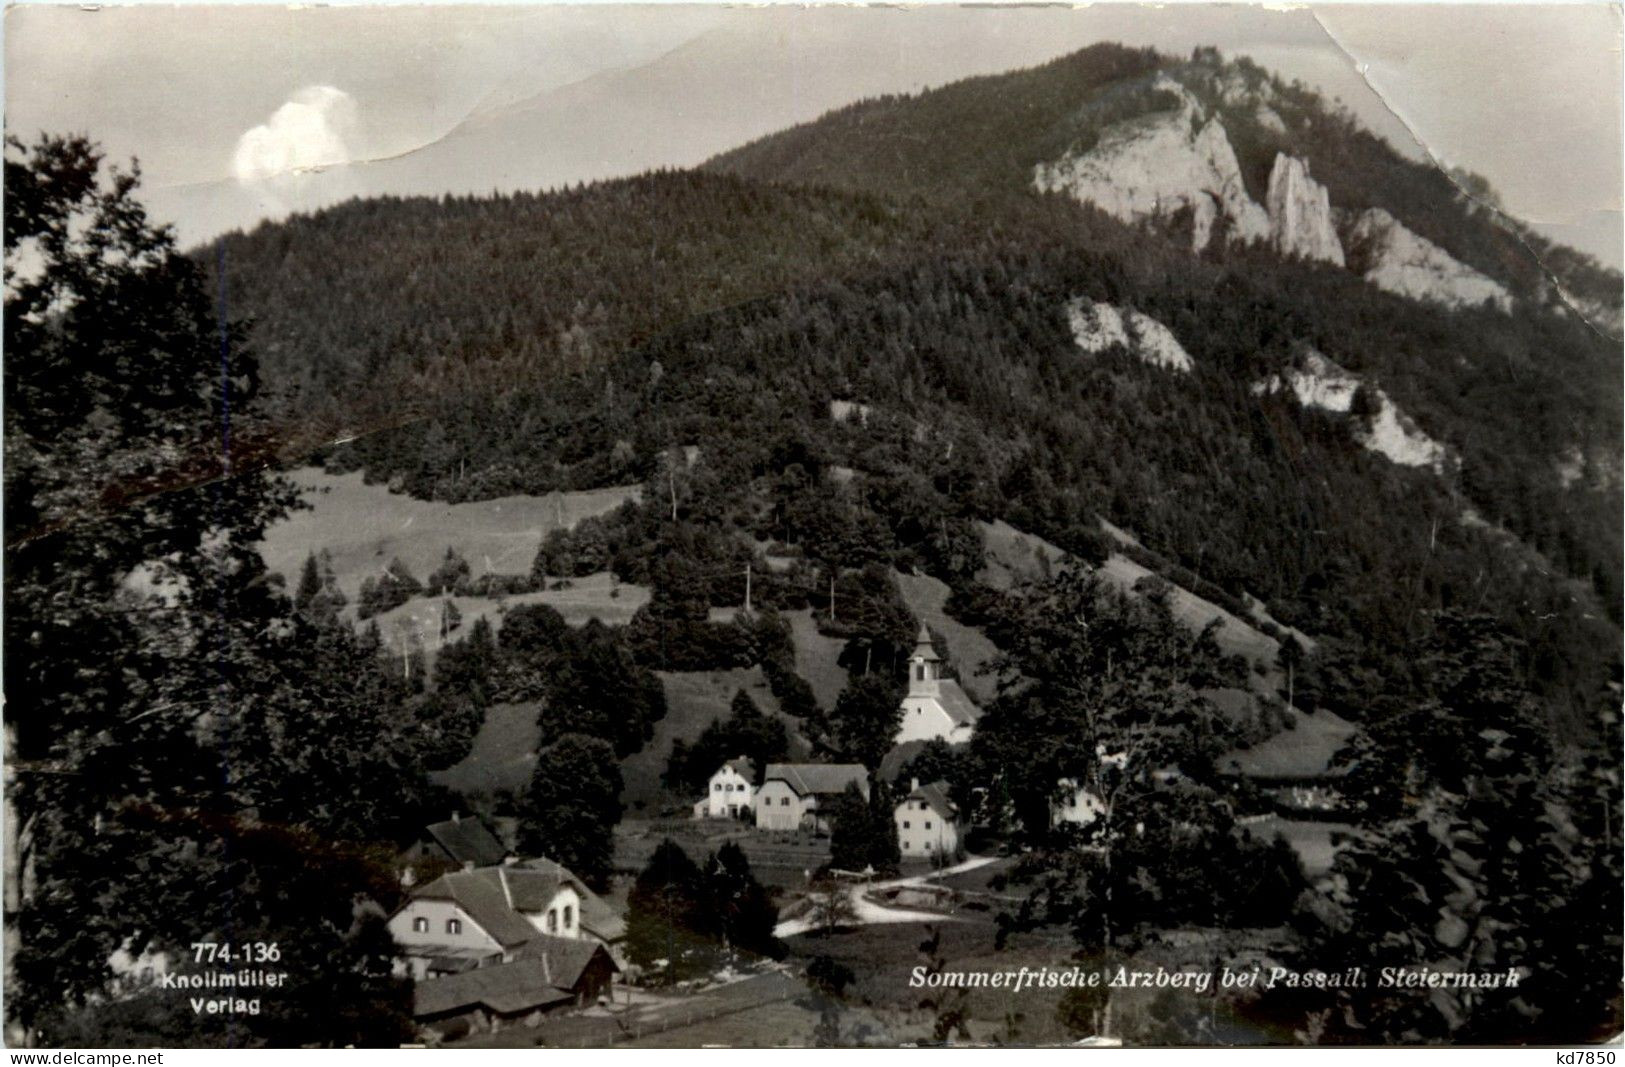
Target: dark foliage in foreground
<point x="196" y="757"/>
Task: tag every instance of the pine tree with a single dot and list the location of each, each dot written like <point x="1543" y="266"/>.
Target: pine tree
<point x="668" y="925"/>
<point x="310" y="583"/>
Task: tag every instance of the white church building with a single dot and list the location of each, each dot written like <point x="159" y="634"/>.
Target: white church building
<point x="935" y="706"/>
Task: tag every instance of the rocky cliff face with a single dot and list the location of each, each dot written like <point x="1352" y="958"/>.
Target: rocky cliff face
<point x="1391" y="257"/>
<point x="1153" y="166"/>
<point x="1300" y="213"/>
<point x="1098" y="327"/>
<point x="1384" y="429"/>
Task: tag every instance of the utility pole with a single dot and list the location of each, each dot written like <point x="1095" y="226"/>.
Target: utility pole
<point x="832" y="597"/>
<point x="747" y="589"/>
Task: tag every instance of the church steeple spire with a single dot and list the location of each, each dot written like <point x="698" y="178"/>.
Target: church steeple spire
<point x="924" y="666"/>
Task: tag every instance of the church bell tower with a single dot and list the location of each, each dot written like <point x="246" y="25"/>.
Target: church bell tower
<point x="924" y="667"/>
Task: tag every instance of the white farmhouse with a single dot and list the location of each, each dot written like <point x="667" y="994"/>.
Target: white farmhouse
<point x="792" y="793"/>
<point x="731" y="792"/>
<point x="469" y="919"/>
<point x="1075" y="805"/>
<point x="935" y="706"/>
<point x="927" y="822"/>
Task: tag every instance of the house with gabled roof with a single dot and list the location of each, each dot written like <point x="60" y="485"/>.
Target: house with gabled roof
<point x="927" y="822"/>
<point x="465" y="920"/>
<point x="730" y="794"/>
<point x="597" y="920"/>
<point x="934" y="706"/>
<point x="792" y="794"/>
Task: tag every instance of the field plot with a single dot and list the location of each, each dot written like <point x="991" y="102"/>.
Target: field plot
<point x="787" y="1023"/>
<point x="782" y="860"/>
<point x="1304" y="751"/>
<point x="365" y="526"/>
<point x="817" y="657"/>
<point x="1316" y="843"/>
<point x="767" y="1009"/>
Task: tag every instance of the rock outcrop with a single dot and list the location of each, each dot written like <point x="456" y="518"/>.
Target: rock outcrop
<point x="1391" y="257"/>
<point x="1098" y="327"/>
<point x="1153" y="166"/>
<point x="1300" y="213"/>
<point x="1320" y="383"/>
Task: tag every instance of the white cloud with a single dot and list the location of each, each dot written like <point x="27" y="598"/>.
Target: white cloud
<point x="313" y="130"/>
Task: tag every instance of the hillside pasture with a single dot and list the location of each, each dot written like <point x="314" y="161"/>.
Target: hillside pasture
<point x="694" y="699"/>
<point x="1014" y="556"/>
<point x="503" y="755"/>
<point x="597" y="596"/>
<point x="817" y="657"/>
<point x="1305" y="750"/>
<point x="1316" y="843"/>
<point x="364" y="526"/>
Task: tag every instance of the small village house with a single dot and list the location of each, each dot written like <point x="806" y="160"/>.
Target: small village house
<point x="927" y="822"/>
<point x="1074" y="804"/>
<point x="793" y="793"/>
<point x="466" y="920"/>
<point x="934" y="706"/>
<point x="731" y="791"/>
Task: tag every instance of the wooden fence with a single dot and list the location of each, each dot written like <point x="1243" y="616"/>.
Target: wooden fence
<point x="679" y="1018"/>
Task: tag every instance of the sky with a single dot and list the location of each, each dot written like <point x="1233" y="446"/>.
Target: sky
<point x="241" y="113"/>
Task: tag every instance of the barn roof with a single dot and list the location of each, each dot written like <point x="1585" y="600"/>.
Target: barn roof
<point x="483" y="898"/>
<point x="898" y="758"/>
<point x="507" y="989"/>
<point x="468" y="841"/>
<point x="566" y="958"/>
<point x="819" y="779"/>
<point x="494" y="897"/>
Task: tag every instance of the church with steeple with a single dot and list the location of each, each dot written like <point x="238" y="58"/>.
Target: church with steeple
<point x="935" y="706"/>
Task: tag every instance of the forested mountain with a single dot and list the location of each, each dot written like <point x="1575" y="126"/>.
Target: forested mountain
<point x="991" y="132"/>
<point x="470" y="347"/>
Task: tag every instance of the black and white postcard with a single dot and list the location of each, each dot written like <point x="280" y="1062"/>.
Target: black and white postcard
<point x="550" y="527"/>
